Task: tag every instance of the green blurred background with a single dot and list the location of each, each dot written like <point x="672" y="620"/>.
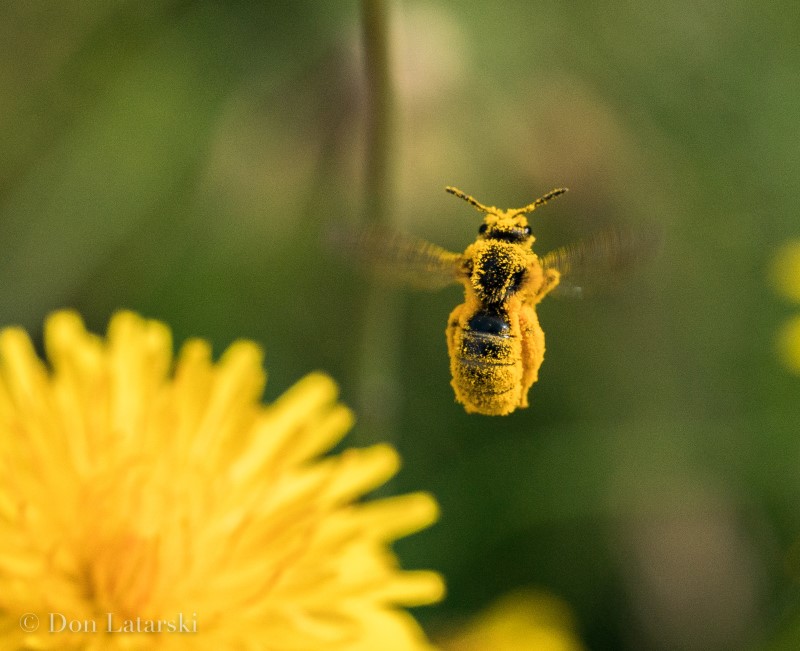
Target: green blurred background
<point x="184" y="158"/>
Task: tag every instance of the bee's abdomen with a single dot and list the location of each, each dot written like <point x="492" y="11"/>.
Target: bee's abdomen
<point x="482" y="348"/>
<point x="487" y="368"/>
<point x="490" y="323"/>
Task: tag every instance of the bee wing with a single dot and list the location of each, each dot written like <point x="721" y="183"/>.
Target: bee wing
<point x="399" y="257"/>
<point x="600" y="259"/>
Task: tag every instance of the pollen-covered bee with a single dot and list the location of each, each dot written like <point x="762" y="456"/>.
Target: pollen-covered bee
<point x="495" y="342"/>
<point x="494" y="339"/>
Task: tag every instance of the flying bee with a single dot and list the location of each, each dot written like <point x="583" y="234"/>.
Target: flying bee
<point x="495" y="342"/>
<point x="494" y="339"/>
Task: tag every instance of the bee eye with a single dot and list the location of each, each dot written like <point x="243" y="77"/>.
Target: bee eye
<point x="527" y="230"/>
<point x="482" y="229"/>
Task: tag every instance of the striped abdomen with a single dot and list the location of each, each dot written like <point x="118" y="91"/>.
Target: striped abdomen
<point x="486" y="361"/>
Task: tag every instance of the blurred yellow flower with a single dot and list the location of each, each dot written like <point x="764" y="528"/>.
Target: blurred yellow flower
<point x="786" y="270"/>
<point x="143" y="507"/>
<point x="789" y="344"/>
<point x="785" y="275"/>
<point x="519" y="621"/>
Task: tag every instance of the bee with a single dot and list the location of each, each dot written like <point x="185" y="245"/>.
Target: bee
<point x="494" y="338"/>
<point x="495" y="341"/>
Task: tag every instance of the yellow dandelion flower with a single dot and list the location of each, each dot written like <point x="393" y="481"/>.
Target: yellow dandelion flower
<point x="785" y="271"/>
<point x="788" y="343"/>
<point x="785" y="276"/>
<point x="146" y="507"/>
<point x="519" y="621"/>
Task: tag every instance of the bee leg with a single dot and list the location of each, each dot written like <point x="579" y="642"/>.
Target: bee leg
<point x="452" y="327"/>
<point x="532" y="350"/>
<point x="452" y="350"/>
<point x="550" y="282"/>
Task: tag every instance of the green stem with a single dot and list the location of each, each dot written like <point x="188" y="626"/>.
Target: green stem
<point x="379" y="384"/>
<point x="379" y="175"/>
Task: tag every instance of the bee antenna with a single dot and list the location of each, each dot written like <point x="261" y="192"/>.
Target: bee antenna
<point x="470" y="200"/>
<point x="541" y="201"/>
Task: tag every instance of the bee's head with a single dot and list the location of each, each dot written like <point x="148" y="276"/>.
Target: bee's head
<point x="506" y="225"/>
